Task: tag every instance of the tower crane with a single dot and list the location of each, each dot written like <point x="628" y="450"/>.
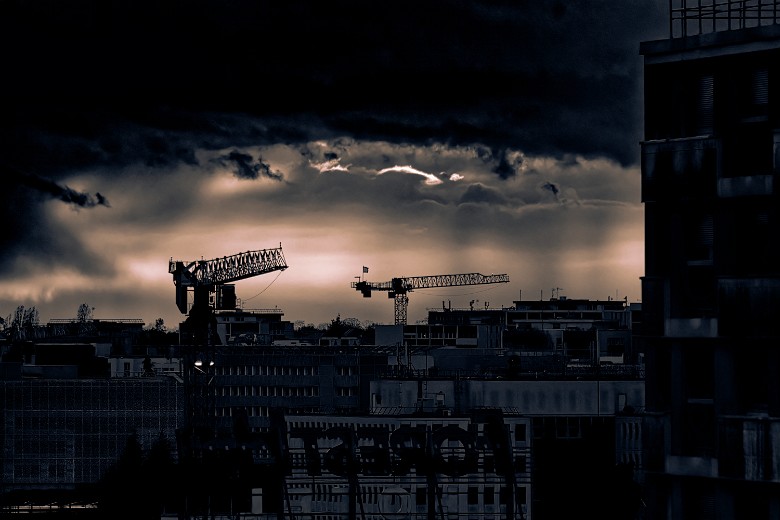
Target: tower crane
<point x="398" y="288"/>
<point x="206" y="278"/>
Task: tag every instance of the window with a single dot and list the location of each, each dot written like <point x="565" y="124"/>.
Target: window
<point x="520" y="433"/>
<point x="699" y="292"/>
<point x="521" y="495"/>
<point x="615" y="346"/>
<point x="473" y="495"/>
<point x="698" y="237"/>
<point x="489" y="498"/>
<point x="760" y="87"/>
<point x="753" y="248"/>
<point x="705" y="104"/>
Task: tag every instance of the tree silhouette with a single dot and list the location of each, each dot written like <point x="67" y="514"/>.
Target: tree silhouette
<point x="336" y="328"/>
<point x="125" y="487"/>
<point x="148" y="366"/>
<point x="23" y="324"/>
<point x="157" y="335"/>
<point x="159" y="325"/>
<point x="84" y="319"/>
<point x="158" y="473"/>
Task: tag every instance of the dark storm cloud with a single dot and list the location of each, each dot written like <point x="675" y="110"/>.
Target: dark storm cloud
<point x="551" y="187"/>
<point x="63" y="193"/>
<point x="245" y="167"/>
<point x="542" y="75"/>
<point x="148" y="142"/>
<point x="42" y="243"/>
<point x="507" y="166"/>
<point x="29" y="233"/>
<point x="480" y="194"/>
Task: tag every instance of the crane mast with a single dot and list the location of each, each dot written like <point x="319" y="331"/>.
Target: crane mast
<point x="204" y="278"/>
<point x="398" y="288"/>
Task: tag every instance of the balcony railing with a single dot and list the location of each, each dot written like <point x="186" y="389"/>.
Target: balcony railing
<point x="692" y="17"/>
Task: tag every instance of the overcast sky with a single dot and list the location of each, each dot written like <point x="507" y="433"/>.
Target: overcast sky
<point x="414" y="138"/>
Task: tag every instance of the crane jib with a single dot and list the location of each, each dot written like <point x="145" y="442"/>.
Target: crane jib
<point x="402" y="284"/>
<point x="397" y="288"/>
<point x="235" y="267"/>
<point x="207" y="274"/>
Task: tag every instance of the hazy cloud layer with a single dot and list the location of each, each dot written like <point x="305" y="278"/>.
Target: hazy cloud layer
<point x="331" y="222"/>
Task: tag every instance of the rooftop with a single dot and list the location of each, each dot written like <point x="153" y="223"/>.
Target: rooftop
<point x="693" y="17"/>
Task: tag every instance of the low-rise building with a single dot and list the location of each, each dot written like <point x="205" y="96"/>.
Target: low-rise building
<point x="582" y="440"/>
<point x="66" y="423"/>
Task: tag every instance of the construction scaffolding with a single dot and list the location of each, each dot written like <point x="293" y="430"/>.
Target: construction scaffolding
<point x="61" y="433"/>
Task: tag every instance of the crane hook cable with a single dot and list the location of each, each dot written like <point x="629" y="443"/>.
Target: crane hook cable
<point x="266" y="287"/>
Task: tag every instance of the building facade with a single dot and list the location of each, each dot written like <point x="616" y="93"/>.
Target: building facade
<point x="544" y="335"/>
<point x="246" y="383"/>
<point x="251" y="326"/>
<point x="581" y="446"/>
<point x="65" y="433"/>
<point x="711" y="289"/>
<point x="411" y="467"/>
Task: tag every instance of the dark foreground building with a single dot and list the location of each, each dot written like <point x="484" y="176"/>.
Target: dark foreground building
<point x="65" y="426"/>
<point x="711" y="290"/>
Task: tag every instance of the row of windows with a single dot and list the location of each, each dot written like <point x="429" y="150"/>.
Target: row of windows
<point x="374" y="494"/>
<point x="263" y="370"/>
<point x="108" y="450"/>
<point x="263" y="411"/>
<point x="520" y="429"/>
<point x="347" y="391"/>
<point x="88" y="422"/>
<point x="432" y="335"/>
<point x="55" y="400"/>
<point x="631" y="431"/>
<point x="473" y="495"/>
<point x="268" y="391"/>
<point x="485" y="463"/>
<point x="282" y="391"/>
<point x="692" y="102"/>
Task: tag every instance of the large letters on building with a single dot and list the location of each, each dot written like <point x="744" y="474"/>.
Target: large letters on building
<point x="380" y="449"/>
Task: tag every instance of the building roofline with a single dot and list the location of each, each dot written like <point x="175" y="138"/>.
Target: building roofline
<point x="722" y="43"/>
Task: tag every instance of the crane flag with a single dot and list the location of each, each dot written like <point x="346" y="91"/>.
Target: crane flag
<point x="365" y="269"/>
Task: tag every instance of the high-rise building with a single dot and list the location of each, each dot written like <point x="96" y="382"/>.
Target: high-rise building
<point x="711" y="289"/>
